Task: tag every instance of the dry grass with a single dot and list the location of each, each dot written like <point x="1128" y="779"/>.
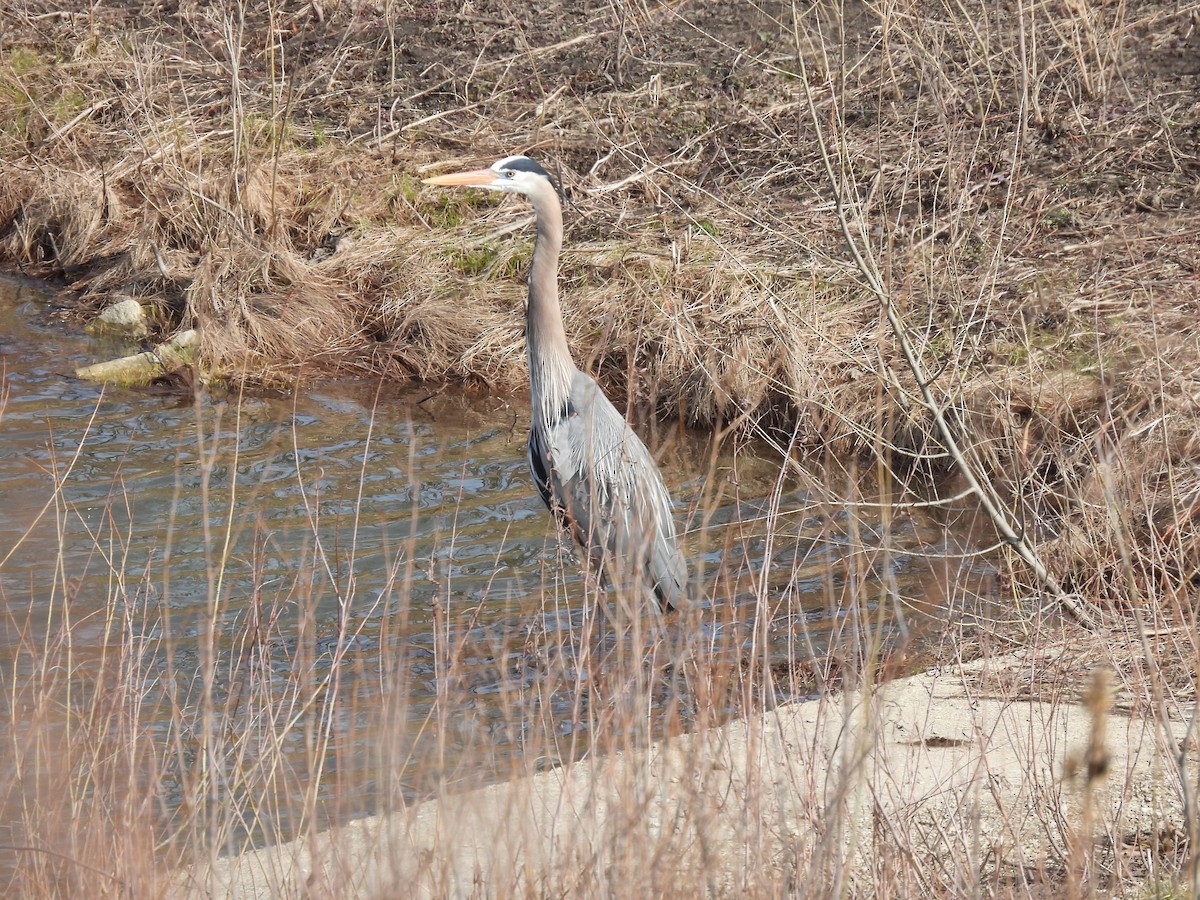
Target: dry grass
<point x="1025" y="177"/>
<point x="140" y="740"/>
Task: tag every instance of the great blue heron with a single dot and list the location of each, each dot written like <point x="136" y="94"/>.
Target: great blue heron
<point x="594" y="474"/>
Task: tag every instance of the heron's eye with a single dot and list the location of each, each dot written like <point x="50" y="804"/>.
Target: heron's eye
<point x="510" y="174"/>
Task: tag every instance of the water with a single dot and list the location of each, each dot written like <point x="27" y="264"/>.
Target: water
<point x="353" y="594"/>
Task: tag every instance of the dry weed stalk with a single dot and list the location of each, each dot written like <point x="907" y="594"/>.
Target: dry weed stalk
<point x="958" y="444"/>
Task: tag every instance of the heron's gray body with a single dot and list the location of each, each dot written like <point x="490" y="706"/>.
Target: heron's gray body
<point x="594" y="474"/>
<point x="590" y="468"/>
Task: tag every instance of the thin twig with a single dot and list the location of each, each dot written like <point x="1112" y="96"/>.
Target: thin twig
<point x="987" y="496"/>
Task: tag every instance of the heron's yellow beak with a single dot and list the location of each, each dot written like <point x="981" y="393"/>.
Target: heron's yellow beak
<point x="476" y="177"/>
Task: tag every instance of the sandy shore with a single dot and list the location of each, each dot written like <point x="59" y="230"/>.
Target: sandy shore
<point x="956" y="771"/>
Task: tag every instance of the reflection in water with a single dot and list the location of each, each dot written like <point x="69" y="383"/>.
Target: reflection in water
<point x="303" y="608"/>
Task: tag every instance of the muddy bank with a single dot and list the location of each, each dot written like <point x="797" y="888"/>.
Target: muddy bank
<point x="1026" y="182"/>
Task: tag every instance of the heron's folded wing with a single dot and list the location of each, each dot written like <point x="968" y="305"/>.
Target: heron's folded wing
<point x="598" y="476"/>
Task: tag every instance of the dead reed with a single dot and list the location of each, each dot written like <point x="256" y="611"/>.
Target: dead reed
<point x="145" y="742"/>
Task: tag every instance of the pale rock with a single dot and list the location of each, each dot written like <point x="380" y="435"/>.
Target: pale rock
<point x="125" y="316"/>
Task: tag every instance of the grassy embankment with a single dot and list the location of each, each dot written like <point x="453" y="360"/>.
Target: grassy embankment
<point x="1024" y="179"/>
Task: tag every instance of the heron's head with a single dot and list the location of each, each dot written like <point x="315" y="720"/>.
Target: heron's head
<point x="513" y="174"/>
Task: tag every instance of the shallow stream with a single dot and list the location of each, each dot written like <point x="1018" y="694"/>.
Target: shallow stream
<point x="182" y="567"/>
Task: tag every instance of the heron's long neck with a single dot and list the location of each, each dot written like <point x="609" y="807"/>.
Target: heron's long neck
<point x="550" y="365"/>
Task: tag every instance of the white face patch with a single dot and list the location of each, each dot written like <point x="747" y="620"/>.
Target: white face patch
<point x="519" y="174"/>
